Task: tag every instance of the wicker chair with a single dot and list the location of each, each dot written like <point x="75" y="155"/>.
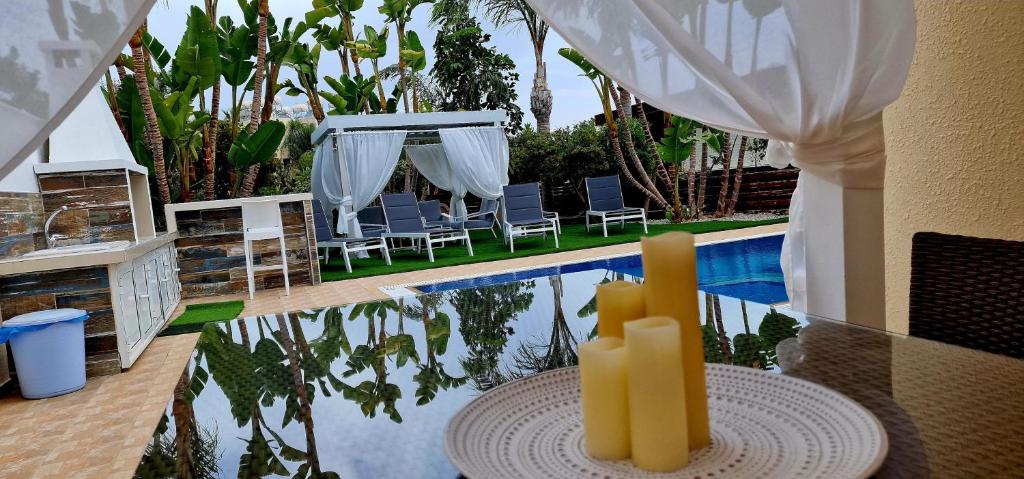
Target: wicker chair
<point x="968" y="292"/>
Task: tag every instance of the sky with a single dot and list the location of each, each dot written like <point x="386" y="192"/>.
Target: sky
<point x="574" y="97"/>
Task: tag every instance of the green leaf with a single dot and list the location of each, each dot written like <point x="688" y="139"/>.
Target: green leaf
<point x="315" y="15"/>
<point x="198" y="53"/>
<point x="156" y="50"/>
<point x="259" y="148"/>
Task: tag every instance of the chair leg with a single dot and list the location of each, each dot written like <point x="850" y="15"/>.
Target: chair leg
<point x="643" y="217"/>
<point x="327" y="255"/>
<point x="284" y="267"/>
<point x="430" y="250"/>
<point x="249" y="276"/>
<point x="556" y="239"/>
<point x="587" y="219"/>
<point x="384" y="250"/>
<point x="604" y="226"/>
<point x="345" y="256"/>
<point x="511" y="243"/>
<point x="469" y="244"/>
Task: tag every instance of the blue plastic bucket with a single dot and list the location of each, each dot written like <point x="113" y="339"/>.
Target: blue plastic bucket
<point x="49" y="351"/>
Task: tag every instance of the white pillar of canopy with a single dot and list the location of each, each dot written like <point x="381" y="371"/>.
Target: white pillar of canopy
<point x="813" y="75"/>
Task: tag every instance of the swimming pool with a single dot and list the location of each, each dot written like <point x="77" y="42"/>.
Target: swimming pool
<point x="746" y="269"/>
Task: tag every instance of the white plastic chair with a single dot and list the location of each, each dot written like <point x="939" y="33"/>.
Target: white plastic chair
<point x="261" y="220"/>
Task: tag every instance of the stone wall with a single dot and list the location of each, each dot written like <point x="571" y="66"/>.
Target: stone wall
<point x="83" y="288"/>
<point x="21" y="224"/>
<point x="211" y="254"/>
<point x="98" y="202"/>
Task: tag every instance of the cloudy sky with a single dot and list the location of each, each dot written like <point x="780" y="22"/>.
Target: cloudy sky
<point x="574" y="97"/>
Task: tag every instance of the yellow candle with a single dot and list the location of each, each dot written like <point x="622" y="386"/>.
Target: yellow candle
<point x="657" y="396"/>
<point x="605" y="409"/>
<point x="670" y="289"/>
<point x="618" y="302"/>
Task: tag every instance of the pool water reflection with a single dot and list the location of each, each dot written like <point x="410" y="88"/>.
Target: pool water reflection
<point x="366" y="390"/>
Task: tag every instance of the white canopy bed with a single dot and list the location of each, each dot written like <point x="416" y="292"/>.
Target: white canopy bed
<point x="357" y="154"/>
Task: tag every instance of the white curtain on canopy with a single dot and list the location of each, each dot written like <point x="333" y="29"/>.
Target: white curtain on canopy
<point x="369" y="160"/>
<point x="813" y="75"/>
<point x="479" y="163"/>
<point x="54" y="53"/>
<point x="432" y="163"/>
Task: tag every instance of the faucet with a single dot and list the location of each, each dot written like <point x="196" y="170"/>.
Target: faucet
<point x="51" y="240"/>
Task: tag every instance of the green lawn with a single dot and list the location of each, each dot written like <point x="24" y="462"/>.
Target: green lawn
<point x="488" y="248"/>
<point x="196" y="315"/>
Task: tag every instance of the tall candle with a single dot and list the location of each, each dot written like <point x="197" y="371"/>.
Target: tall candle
<point x="670" y="289"/>
<point x="605" y="407"/>
<point x="618" y="302"/>
<point x="657" y="396"/>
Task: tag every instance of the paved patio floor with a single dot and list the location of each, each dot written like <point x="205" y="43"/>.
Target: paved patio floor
<point x="102" y="430"/>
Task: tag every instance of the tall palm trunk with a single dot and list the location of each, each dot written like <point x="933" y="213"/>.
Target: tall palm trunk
<point x="621" y="107"/>
<point x="112" y="103"/>
<point x="401" y="64"/>
<point x="305" y="412"/>
<point x="723" y="192"/>
<point x="211" y="129"/>
<point x="690" y="181"/>
<point x="661" y="170"/>
<point x="737" y="178"/>
<point x="349" y="37"/>
<point x="249" y="181"/>
<point x="185" y="428"/>
<point x="273" y="72"/>
<point x="154" y="140"/>
<point x="380" y="84"/>
<point x="541" y="100"/>
<point x="703" y="183"/>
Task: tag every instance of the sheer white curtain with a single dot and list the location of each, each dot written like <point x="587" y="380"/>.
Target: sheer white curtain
<point x="479" y="163"/>
<point x="813" y="75"/>
<point x="351" y="178"/>
<point x="55" y="52"/>
<point x="432" y="163"/>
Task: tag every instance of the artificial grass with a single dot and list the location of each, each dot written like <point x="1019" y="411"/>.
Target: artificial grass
<point x="488" y="248"/>
<point x="197" y="315"/>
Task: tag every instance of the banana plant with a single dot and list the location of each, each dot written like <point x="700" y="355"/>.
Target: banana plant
<point x="336" y="38"/>
<point x="373" y="47"/>
<point x="399" y="12"/>
<point x="258" y="148"/>
<point x="676" y="147"/>
<point x="415" y="58"/>
<point x="182" y="125"/>
<point x="198" y="53"/>
<point x="351" y="95"/>
<point x="237" y="56"/>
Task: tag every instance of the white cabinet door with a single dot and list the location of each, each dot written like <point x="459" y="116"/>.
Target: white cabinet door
<point x="142" y="298"/>
<point x="129" y="323"/>
<point x="153" y="284"/>
<point x="168" y="278"/>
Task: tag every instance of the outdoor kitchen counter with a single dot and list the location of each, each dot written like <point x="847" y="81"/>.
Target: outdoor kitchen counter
<point x="122" y="254"/>
<point x="210" y="249"/>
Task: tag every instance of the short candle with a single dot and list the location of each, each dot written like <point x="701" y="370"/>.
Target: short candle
<point x="603" y="390"/>
<point x="657" y="396"/>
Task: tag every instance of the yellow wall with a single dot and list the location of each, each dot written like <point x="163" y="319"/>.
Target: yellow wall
<point x="955" y="138"/>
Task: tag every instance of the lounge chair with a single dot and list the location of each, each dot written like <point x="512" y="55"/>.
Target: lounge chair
<point x="524" y="215"/>
<point x="485" y="218"/>
<point x="326" y="239"/>
<point x="604" y="200"/>
<point x="371" y="221"/>
<point x="433" y="217"/>
<point x="403" y="220"/>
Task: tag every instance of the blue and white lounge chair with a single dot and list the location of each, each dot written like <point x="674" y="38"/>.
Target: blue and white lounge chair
<point x="604" y="200"/>
<point x="403" y="219"/>
<point x="433" y="217"/>
<point x="524" y="215"/>
<point x="326" y="239"/>
<point x="486" y="218"/>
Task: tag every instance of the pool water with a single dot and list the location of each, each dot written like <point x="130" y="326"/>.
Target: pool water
<point x="745" y="269"/>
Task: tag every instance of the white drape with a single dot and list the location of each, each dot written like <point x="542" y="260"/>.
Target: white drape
<point x="367" y="161"/>
<point x="479" y="163"/>
<point x="432" y="163"/>
<point x="813" y="75"/>
<point x="55" y="52"/>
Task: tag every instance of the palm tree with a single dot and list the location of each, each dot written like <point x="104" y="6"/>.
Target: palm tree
<point x="730" y="209"/>
<point x="725" y="155"/>
<point x="399" y="12"/>
<point x="211" y="129"/>
<point x="518" y="12"/>
<point x="249" y="180"/>
<point x="154" y="140"/>
<point x="373" y="47"/>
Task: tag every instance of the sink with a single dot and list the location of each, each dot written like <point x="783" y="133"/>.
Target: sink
<point x="77" y="248"/>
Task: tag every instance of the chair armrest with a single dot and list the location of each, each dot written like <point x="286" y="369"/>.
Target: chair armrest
<point x="550" y="214"/>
